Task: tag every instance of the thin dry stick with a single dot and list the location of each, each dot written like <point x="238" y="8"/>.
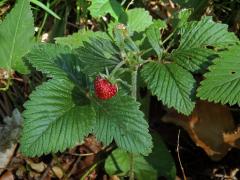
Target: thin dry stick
<point x="73" y="168"/>
<point x="82" y="155"/>
<point x="179" y="159"/>
<point x="45" y="174"/>
<point x="129" y="4"/>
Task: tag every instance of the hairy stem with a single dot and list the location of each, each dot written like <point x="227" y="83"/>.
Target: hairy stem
<point x="117" y="67"/>
<point x="134" y="84"/>
<point x="134" y="95"/>
<point x="131" y="172"/>
<point x="167" y="38"/>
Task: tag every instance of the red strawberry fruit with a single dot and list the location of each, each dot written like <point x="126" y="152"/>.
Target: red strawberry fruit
<point x="104" y="89"/>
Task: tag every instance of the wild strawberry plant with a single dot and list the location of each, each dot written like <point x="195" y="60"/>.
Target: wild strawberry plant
<point x="94" y="77"/>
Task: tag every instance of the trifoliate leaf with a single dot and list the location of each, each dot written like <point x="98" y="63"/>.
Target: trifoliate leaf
<point x="76" y="40"/>
<point x="16" y="37"/>
<point x="120" y="119"/>
<point x="173" y="85"/>
<point x="100" y="8"/>
<point x="56" y="61"/>
<point x="55" y="118"/>
<point x="47" y="58"/>
<point x="192" y="52"/>
<point x="222" y="82"/>
<point x="137" y="19"/>
<point x="97" y="55"/>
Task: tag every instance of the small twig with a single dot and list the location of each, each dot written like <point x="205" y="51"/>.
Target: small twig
<point x="167" y="38"/>
<point x="43" y="23"/>
<point x="47" y="170"/>
<point x="145" y="51"/>
<point x="169" y="45"/>
<point x="18" y="79"/>
<point x="7" y="104"/>
<point x="74" y="167"/>
<point x="131" y="2"/>
<point x="145" y="62"/>
<point x="91" y="169"/>
<point x="3" y="107"/>
<point x="82" y="155"/>
<point x="73" y="25"/>
<point x="178" y="154"/>
<point x="123" y="2"/>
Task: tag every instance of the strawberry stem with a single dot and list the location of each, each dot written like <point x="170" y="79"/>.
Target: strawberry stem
<point x="117" y="67"/>
<point x="134" y="95"/>
<point x="134" y="83"/>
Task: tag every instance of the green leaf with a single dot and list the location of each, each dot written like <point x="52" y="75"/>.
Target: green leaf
<point x="120" y="119"/>
<point x="58" y="62"/>
<point x="59" y="27"/>
<point x="199" y="6"/>
<point x="222" y="82"/>
<point x="193" y="59"/>
<point x="16" y="37"/>
<point x="160" y="158"/>
<point x="204" y="33"/>
<point x="47" y="58"/>
<point x="53" y="60"/>
<point x="143" y="170"/>
<point x="181" y="18"/>
<point x="45" y="8"/>
<point x="154" y="36"/>
<point x="55" y="119"/>
<point x="196" y="36"/>
<point x="97" y="55"/>
<point x="118" y="163"/>
<point x="100" y="8"/>
<point x="137" y="19"/>
<point x="158" y="163"/>
<point x="76" y="40"/>
<point x="173" y="85"/>
<point x="2" y="2"/>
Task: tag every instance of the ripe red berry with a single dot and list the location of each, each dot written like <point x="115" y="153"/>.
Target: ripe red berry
<point x="104" y="89"/>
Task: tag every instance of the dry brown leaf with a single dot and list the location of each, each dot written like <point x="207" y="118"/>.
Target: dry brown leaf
<point x="57" y="171"/>
<point x="5" y="157"/>
<point x="114" y="177"/>
<point x="20" y="171"/>
<point x="38" y="167"/>
<point x="206" y="126"/>
<point x="177" y="178"/>
<point x="7" y="176"/>
<point x="232" y="138"/>
<point x="34" y="175"/>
